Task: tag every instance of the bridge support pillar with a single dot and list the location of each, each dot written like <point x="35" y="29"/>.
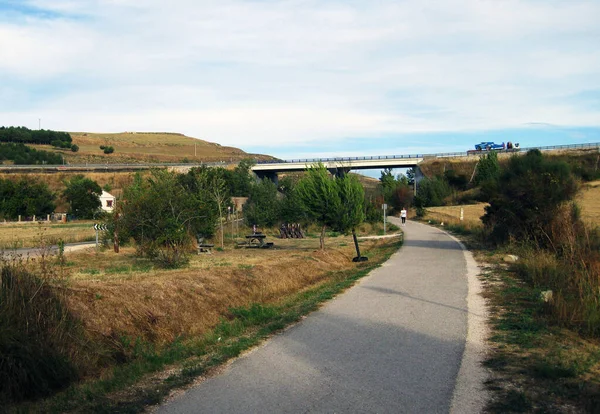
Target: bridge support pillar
<point x="339" y="172"/>
<point x="270" y="175"/>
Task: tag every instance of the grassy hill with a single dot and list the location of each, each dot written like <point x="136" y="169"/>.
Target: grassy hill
<point x="140" y="147"/>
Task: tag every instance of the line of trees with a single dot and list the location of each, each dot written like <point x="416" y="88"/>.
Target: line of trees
<point x="29" y="197"/>
<point x="21" y="154"/>
<point x="28" y="136"/>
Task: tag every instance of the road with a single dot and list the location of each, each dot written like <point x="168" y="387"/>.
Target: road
<point x="35" y="251"/>
<point x="393" y="343"/>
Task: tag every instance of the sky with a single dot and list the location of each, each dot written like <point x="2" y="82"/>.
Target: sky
<point x="307" y="78"/>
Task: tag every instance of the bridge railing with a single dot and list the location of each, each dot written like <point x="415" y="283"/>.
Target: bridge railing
<point x="424" y="156"/>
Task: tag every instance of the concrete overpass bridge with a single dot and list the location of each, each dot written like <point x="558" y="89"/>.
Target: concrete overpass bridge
<point x="336" y="166"/>
<point x="343" y="165"/>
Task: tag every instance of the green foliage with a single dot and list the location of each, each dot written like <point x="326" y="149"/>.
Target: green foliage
<point x="488" y="169"/>
<point x="83" y="195"/>
<point x="319" y="195"/>
<point x="529" y="194"/>
<point x="397" y="192"/>
<point x="164" y="212"/>
<point x="263" y="206"/>
<point x="241" y="180"/>
<point x="74" y="148"/>
<point x="21" y="154"/>
<point x="61" y="144"/>
<point x="431" y="192"/>
<point x="28" y="136"/>
<point x="373" y="212"/>
<point x="352" y="197"/>
<point x="26" y="198"/>
<point x="331" y="202"/>
<point x="291" y="209"/>
<point x="107" y="149"/>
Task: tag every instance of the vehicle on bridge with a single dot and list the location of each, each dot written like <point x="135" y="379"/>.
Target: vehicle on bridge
<point x="489" y="146"/>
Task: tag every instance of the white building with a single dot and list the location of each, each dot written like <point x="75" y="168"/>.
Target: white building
<point x="107" y="201"/>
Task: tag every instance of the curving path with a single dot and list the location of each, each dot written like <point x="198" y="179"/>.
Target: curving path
<point x="391" y="344"/>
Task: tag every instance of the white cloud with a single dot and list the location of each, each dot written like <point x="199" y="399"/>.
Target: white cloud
<point x="272" y="73"/>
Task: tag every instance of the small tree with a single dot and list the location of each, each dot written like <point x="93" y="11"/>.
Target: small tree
<point x="163" y="215"/>
<point x="74" y="148"/>
<point x="320" y="196"/>
<point x="351" y="208"/>
<point x="83" y="195"/>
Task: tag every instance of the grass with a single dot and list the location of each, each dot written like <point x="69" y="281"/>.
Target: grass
<point x="14" y="236"/>
<point x="270" y="303"/>
<point x="149" y="147"/>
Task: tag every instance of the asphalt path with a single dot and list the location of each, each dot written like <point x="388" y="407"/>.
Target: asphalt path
<point x="393" y="343"/>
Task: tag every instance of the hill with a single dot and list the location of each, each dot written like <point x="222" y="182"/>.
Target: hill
<point x="141" y="147"/>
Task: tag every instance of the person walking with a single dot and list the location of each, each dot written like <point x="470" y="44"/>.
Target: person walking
<point x="403" y="216"/>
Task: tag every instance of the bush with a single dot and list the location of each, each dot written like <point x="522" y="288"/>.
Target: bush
<point x="74" y="148"/>
<point x="527" y="198"/>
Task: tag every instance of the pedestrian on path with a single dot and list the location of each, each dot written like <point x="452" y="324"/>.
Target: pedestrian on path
<point x="403" y="216"/>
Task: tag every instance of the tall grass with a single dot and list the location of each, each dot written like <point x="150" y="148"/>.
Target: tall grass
<point x="571" y="269"/>
<point x="36" y="333"/>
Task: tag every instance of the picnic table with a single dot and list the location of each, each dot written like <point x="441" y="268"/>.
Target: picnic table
<point x="257" y="240"/>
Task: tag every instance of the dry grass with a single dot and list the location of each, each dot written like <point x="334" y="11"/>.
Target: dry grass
<point x="451" y="214"/>
<point x="148" y="147"/>
<point x="30" y="234"/>
<point x="589" y="200"/>
<point x="117" y="294"/>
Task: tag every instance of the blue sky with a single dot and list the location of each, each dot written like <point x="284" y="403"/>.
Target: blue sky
<point x="307" y="78"/>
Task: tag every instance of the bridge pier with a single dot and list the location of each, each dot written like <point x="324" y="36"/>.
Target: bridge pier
<point x="339" y="172"/>
<point x="270" y="175"/>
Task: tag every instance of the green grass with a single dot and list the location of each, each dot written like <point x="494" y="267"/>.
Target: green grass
<point x="242" y="329"/>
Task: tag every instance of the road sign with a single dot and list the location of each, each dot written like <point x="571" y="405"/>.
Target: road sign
<point x="99" y="226"/>
<point x="384" y="206"/>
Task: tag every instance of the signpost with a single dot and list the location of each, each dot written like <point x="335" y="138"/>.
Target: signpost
<point x="384" y="207"/>
<point x="99" y="227"/>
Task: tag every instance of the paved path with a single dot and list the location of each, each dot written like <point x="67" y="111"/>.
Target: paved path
<point x="391" y="344"/>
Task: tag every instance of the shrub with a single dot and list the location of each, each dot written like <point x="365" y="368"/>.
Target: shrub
<point x="528" y="196"/>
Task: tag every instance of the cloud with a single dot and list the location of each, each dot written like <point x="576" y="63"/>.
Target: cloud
<point x="277" y="73"/>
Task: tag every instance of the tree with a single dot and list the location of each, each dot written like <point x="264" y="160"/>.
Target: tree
<point x="83" y="195"/>
<point x="321" y="198"/>
<point x="25" y="197"/>
<point x="488" y="169"/>
<point x="351" y="213"/>
<point x="291" y="209"/>
<point x="529" y="194"/>
<point x="241" y="178"/>
<point x="262" y="207"/>
<point x="74" y="147"/>
<point x="163" y="215"/>
<point x="431" y="192"/>
<point x="334" y="202"/>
